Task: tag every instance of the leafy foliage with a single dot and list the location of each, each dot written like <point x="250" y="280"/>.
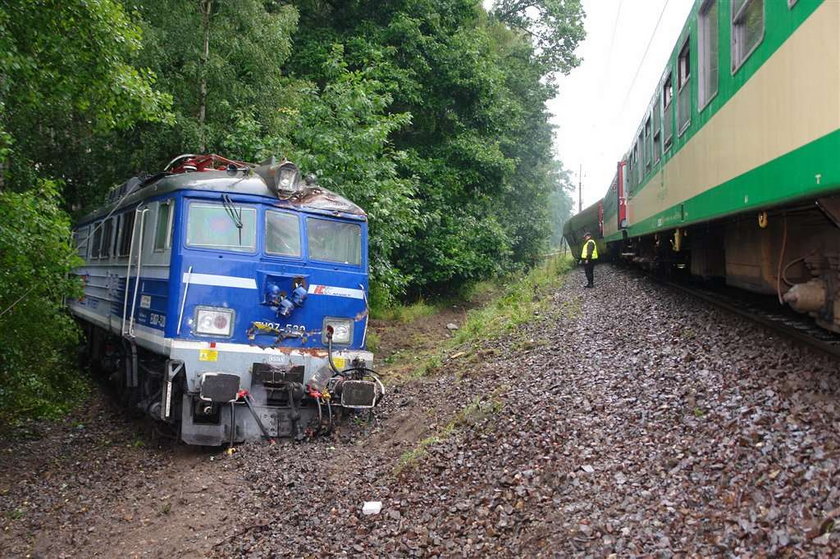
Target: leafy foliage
<point x="221" y="63"/>
<point x="553" y="26"/>
<point x="560" y="205"/>
<point x="66" y="76"/>
<point x="479" y="143"/>
<point x="430" y="114"/>
<point x="37" y="337"/>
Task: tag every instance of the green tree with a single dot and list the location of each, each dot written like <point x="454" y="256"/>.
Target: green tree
<point x="561" y="204"/>
<point x="66" y="77"/>
<point x="554" y="27"/>
<point x="479" y="143"/>
<point x="221" y="62"/>
<point x="37" y="337"/>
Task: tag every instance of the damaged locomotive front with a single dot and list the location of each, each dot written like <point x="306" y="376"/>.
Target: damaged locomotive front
<point x="232" y="299"/>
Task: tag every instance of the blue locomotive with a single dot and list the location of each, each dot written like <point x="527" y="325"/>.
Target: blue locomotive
<point x="229" y="299"/>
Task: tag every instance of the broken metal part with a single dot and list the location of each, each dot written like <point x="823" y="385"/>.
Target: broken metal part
<point x="358" y="394"/>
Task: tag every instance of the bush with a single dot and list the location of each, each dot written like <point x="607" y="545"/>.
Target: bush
<point x="38" y="377"/>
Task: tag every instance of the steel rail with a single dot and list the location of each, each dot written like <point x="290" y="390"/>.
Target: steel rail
<point x="831" y="349"/>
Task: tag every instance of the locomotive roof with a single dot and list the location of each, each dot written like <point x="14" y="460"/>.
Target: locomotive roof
<point x="309" y="198"/>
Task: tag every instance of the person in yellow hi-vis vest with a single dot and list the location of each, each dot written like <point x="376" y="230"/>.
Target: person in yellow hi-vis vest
<point x="588" y="255"/>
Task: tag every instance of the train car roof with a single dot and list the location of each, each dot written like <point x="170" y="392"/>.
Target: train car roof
<point x="586" y="213"/>
<point x="309" y="198"/>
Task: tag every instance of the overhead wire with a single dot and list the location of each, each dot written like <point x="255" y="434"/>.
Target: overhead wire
<point x="612" y="36"/>
<point x="644" y="56"/>
<point x="608" y="65"/>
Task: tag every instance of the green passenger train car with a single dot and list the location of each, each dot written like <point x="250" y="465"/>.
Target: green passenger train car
<point x="734" y="171"/>
<point x="590" y="220"/>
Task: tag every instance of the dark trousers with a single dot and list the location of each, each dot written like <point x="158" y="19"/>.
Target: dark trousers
<point x="589" y="268"/>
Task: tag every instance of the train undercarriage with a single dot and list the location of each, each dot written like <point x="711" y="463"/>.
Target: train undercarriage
<point x="276" y="404"/>
<point x="792" y="253"/>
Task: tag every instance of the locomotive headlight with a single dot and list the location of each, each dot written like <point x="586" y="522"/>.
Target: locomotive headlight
<point x="287" y="177"/>
<point x="213" y="321"/>
<point x="342" y="329"/>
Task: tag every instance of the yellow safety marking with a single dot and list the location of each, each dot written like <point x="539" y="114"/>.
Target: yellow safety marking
<point x="208" y="354"/>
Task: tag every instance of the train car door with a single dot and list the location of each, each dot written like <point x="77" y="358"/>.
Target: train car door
<point x="620" y="192"/>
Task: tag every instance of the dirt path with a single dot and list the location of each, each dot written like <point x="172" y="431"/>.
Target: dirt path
<point x="99" y="484"/>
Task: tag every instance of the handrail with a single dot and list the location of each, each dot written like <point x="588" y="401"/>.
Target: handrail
<point x="134" y="224"/>
<point x="184" y="300"/>
<point x="367" y="314"/>
<point x="138" y="267"/>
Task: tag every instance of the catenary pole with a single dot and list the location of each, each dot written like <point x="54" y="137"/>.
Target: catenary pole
<point x="580" y="189"/>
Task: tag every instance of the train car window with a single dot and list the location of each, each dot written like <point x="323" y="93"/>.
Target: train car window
<point x="637" y="176"/>
<point x="163" y="226"/>
<point x="747" y="29"/>
<point x="642" y="150"/>
<point x="81" y="238"/>
<point x="213" y="226"/>
<point x="657" y="131"/>
<point x="668" y="109"/>
<point x="282" y="233"/>
<point x="97" y="240"/>
<point x="648" y="143"/>
<point x="334" y="241"/>
<point x="126" y="233"/>
<point x="707" y="42"/>
<point x="107" y="238"/>
<point x="118" y="225"/>
<point x="683" y="89"/>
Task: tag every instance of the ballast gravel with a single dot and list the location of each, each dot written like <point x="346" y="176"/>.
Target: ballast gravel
<point x="622" y="421"/>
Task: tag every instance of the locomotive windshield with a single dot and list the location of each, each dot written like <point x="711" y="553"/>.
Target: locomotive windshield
<point x="211" y="226"/>
<point x="334" y="241"/>
<point x="282" y="234"/>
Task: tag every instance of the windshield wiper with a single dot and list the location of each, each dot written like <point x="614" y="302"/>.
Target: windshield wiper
<point x="234" y="214"/>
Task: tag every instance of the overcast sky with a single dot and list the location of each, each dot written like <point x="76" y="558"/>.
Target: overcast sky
<point x="602" y="101"/>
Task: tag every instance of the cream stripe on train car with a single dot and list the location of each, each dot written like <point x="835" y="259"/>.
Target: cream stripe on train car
<point x="793" y="99"/>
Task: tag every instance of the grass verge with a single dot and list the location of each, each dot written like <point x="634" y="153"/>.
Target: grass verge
<point x="520" y="299"/>
<point x="505" y="305"/>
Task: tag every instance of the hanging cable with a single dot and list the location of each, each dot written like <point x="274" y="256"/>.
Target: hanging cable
<point x="781" y="259"/>
<point x="787" y="267"/>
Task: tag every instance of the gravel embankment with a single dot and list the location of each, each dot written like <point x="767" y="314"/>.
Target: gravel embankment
<point x="621" y="421"/>
<point x="624" y="421"/>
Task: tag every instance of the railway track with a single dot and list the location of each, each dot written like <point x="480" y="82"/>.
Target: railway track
<point x="766" y="311"/>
